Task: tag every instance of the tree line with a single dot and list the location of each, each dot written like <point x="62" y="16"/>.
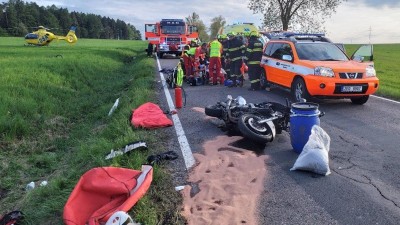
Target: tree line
<point x="17" y="18"/>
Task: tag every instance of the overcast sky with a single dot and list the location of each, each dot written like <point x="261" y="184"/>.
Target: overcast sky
<point x="353" y="22"/>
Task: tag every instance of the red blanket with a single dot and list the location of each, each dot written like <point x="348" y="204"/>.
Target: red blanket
<point x="149" y="115"/>
<point x="103" y="191"/>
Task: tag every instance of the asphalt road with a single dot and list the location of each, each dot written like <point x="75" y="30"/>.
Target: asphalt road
<point x="364" y="186"/>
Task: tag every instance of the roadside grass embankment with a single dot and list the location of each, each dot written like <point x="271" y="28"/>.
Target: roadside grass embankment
<point x="387" y="65"/>
<point x="54" y="124"/>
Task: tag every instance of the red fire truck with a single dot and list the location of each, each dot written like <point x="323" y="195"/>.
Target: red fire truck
<point x="170" y="35"/>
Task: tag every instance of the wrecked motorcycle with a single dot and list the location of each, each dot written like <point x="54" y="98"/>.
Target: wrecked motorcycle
<point x="257" y="122"/>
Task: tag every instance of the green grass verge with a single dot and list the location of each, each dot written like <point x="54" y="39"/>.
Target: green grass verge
<point x="386" y="61"/>
<point x="54" y="124"/>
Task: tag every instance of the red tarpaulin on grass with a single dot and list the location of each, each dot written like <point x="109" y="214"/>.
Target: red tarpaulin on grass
<point x="103" y="191"/>
<point x="149" y="115"/>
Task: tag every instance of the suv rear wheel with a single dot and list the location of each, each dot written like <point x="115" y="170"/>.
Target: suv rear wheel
<point x="360" y="100"/>
<point x="299" y="90"/>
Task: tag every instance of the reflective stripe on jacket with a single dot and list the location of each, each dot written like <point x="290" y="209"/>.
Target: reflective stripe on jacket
<point x="236" y="49"/>
<point x="254" y="51"/>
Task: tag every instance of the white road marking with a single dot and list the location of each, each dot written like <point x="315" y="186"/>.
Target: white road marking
<point x="180" y="133"/>
<point x="389" y="100"/>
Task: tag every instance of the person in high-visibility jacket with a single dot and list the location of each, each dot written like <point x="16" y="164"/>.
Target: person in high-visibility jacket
<point x="215" y="49"/>
<point x="253" y="59"/>
<point x="235" y="56"/>
<point x="187" y="62"/>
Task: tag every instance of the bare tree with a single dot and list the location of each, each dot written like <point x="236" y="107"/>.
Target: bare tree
<point x="305" y="15"/>
<point x="216" y="24"/>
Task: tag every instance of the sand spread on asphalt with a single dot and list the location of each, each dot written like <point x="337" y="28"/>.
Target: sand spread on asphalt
<point x="225" y="185"/>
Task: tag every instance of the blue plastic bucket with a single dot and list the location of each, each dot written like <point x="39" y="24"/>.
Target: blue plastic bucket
<point x="228" y="82"/>
<point x="304" y="115"/>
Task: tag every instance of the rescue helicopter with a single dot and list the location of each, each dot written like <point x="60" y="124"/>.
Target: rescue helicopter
<point x="42" y="37"/>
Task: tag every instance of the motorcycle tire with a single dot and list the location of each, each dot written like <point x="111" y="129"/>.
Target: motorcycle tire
<point x="213" y="111"/>
<point x="251" y="129"/>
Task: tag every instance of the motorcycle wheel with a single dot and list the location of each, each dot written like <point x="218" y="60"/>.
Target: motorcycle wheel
<point x="251" y="129"/>
<point x="213" y="110"/>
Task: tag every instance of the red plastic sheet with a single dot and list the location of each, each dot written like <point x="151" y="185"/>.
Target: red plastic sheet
<point x="103" y="191"/>
<point x="149" y="115"/>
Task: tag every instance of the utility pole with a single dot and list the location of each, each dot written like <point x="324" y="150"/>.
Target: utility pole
<point x="369" y="36"/>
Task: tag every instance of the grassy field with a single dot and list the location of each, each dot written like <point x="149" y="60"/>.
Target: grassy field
<point x="54" y="124"/>
<point x="387" y="65"/>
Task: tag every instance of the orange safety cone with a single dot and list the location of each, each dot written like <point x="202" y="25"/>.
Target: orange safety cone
<point x="178" y="97"/>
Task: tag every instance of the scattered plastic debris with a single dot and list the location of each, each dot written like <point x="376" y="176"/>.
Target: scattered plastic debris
<point x="119" y="217"/>
<point x="11" y="218"/>
<point x="179" y="188"/>
<point x="129" y="147"/>
<point x="114" y="107"/>
<point x="172" y="112"/>
<point x="157" y="159"/>
<point x="30" y="186"/>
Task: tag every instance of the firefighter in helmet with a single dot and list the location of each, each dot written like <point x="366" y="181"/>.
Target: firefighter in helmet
<point x="224" y="62"/>
<point x="253" y="59"/>
<point x="194" y="43"/>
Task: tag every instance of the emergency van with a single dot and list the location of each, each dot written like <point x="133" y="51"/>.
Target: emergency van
<point x="241" y="29"/>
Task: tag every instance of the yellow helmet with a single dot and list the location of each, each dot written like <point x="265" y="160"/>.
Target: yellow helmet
<point x="254" y="34"/>
<point x="231" y="34"/>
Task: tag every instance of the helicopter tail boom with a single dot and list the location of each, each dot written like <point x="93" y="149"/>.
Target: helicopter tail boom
<point x="70" y="37"/>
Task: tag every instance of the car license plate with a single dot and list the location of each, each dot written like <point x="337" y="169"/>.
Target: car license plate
<point x="352" y="89"/>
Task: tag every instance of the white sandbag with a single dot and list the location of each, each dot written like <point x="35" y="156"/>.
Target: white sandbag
<point x="315" y="157"/>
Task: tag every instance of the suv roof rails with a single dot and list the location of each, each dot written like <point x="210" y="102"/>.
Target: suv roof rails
<point x="289" y="34"/>
<point x="294" y="37"/>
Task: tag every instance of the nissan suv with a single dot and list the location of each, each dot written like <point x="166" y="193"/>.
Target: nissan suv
<point x="310" y="65"/>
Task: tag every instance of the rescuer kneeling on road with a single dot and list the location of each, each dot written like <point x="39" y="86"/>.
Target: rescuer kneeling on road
<point x="253" y="58"/>
<point x="196" y="54"/>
